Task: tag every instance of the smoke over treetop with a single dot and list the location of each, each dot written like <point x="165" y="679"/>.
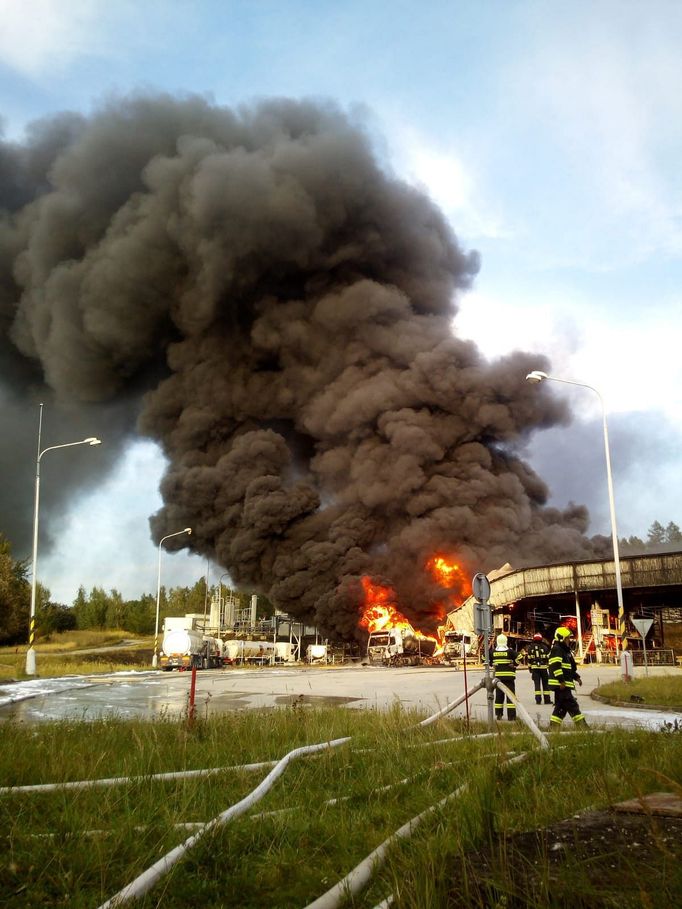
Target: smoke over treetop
<point x="320" y="419"/>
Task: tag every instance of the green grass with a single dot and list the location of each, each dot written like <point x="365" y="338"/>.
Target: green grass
<point x="660" y="691"/>
<point x="60" y="655"/>
<point x="50" y="856"/>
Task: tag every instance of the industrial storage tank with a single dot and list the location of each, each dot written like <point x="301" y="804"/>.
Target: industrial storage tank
<point x="242" y="651"/>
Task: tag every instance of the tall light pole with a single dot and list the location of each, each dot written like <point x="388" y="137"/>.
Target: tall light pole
<point x="91" y="440"/>
<point x="537" y="376"/>
<point x="155" y="659"/>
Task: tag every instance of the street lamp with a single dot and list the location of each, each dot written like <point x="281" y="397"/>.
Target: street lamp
<point x="91" y="440"/>
<point x="537" y="376"/>
<point x="187" y="530"/>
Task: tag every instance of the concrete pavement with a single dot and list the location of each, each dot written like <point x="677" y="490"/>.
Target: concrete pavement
<point x="150" y="694"/>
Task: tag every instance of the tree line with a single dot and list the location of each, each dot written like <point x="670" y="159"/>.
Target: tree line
<point x="659" y="538"/>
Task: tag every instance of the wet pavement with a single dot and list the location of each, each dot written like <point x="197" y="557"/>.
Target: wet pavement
<point x="153" y="694"/>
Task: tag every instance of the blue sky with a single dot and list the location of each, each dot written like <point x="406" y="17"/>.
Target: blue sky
<point x="549" y="134"/>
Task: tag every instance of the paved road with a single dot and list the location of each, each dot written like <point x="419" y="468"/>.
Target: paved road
<point x="149" y="694"/>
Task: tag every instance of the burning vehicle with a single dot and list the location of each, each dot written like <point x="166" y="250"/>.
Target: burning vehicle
<point x="393" y="640"/>
<point x="458" y="645"/>
<point x="400" y="647"/>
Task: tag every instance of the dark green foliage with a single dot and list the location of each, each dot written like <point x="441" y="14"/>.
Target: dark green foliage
<point x="54" y="618"/>
<point x="656" y="534"/>
<point x="659" y="538"/>
<point x="15" y="597"/>
<point x="673" y="534"/>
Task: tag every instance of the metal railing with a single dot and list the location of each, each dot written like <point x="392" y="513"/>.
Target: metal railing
<point x="654" y="657"/>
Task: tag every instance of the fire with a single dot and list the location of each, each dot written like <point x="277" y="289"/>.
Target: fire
<point x="449" y="574"/>
<point x="380" y="612"/>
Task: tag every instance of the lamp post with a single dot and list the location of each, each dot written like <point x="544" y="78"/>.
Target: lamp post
<point x="155" y="659"/>
<point x="537" y="376"/>
<point x="91" y="440"/>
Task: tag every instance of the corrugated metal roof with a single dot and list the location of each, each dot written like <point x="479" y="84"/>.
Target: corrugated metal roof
<point x="655" y="570"/>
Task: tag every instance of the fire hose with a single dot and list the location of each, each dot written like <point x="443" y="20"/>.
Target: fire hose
<point x="357" y="879"/>
<point x="120" y="780"/>
<point x="145" y="881"/>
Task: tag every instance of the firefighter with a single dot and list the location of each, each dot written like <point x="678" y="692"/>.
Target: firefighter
<point x="503" y="660"/>
<point x="538" y="663"/>
<point x="562" y="678"/>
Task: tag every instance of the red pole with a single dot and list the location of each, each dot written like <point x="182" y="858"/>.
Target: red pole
<point x="192" y="690"/>
<point x="466" y="690"/>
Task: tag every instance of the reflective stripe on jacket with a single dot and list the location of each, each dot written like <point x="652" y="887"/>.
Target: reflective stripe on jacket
<point x="538" y="655"/>
<point x="504" y="663"/>
<point x="561" y="666"/>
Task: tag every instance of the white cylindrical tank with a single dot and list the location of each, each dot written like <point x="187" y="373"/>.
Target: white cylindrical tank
<point x="316" y="653"/>
<point x="284" y="652"/>
<point x="182" y="641"/>
<point x="249" y="651"/>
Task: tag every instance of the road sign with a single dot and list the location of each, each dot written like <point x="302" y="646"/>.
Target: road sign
<point x="643" y="626"/>
<point x="481" y="587"/>
<point x="482" y="619"/>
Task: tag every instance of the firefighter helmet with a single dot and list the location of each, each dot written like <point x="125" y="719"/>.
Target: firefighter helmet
<point x="562" y="633"/>
<point x="537" y="637"/>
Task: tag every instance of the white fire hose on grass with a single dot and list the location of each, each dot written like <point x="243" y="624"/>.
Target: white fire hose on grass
<point x="120" y="780"/>
<point x="145" y="881"/>
<point x="357" y="879"/>
<point x="522" y="712"/>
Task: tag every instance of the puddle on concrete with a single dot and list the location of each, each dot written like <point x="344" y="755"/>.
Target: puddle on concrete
<point x="311" y="700"/>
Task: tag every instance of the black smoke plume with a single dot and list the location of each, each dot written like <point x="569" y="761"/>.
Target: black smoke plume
<point x="278" y="310"/>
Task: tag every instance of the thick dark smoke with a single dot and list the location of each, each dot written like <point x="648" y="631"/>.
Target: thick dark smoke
<point x="286" y="307"/>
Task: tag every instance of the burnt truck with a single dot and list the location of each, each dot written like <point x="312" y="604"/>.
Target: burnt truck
<point x="185" y="648"/>
<point x="399" y="647"/>
<point x="457" y="646"/>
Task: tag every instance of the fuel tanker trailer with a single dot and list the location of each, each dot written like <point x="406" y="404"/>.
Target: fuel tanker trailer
<point x="186" y="648"/>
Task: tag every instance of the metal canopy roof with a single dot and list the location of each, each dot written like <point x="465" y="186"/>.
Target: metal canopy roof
<point x="642" y="571"/>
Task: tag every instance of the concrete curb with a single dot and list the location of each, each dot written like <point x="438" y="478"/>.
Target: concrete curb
<point x="635" y="704"/>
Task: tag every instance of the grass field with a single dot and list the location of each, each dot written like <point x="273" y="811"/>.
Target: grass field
<point x="77" y="848"/>
<point x="653" y="690"/>
<point x="61" y="654"/>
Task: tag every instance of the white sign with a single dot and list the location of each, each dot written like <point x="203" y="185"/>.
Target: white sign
<point x="643" y="626"/>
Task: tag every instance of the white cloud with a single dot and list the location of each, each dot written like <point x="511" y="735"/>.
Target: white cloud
<point x="43" y="35"/>
<point x="634" y="364"/>
<point x="442" y="173"/>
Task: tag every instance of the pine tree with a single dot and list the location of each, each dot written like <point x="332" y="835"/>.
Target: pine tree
<point x="673" y="534"/>
<point x="656" y="534"/>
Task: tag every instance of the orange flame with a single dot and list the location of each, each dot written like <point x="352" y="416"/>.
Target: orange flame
<point x="379" y="612"/>
<point x="449" y="574"/>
